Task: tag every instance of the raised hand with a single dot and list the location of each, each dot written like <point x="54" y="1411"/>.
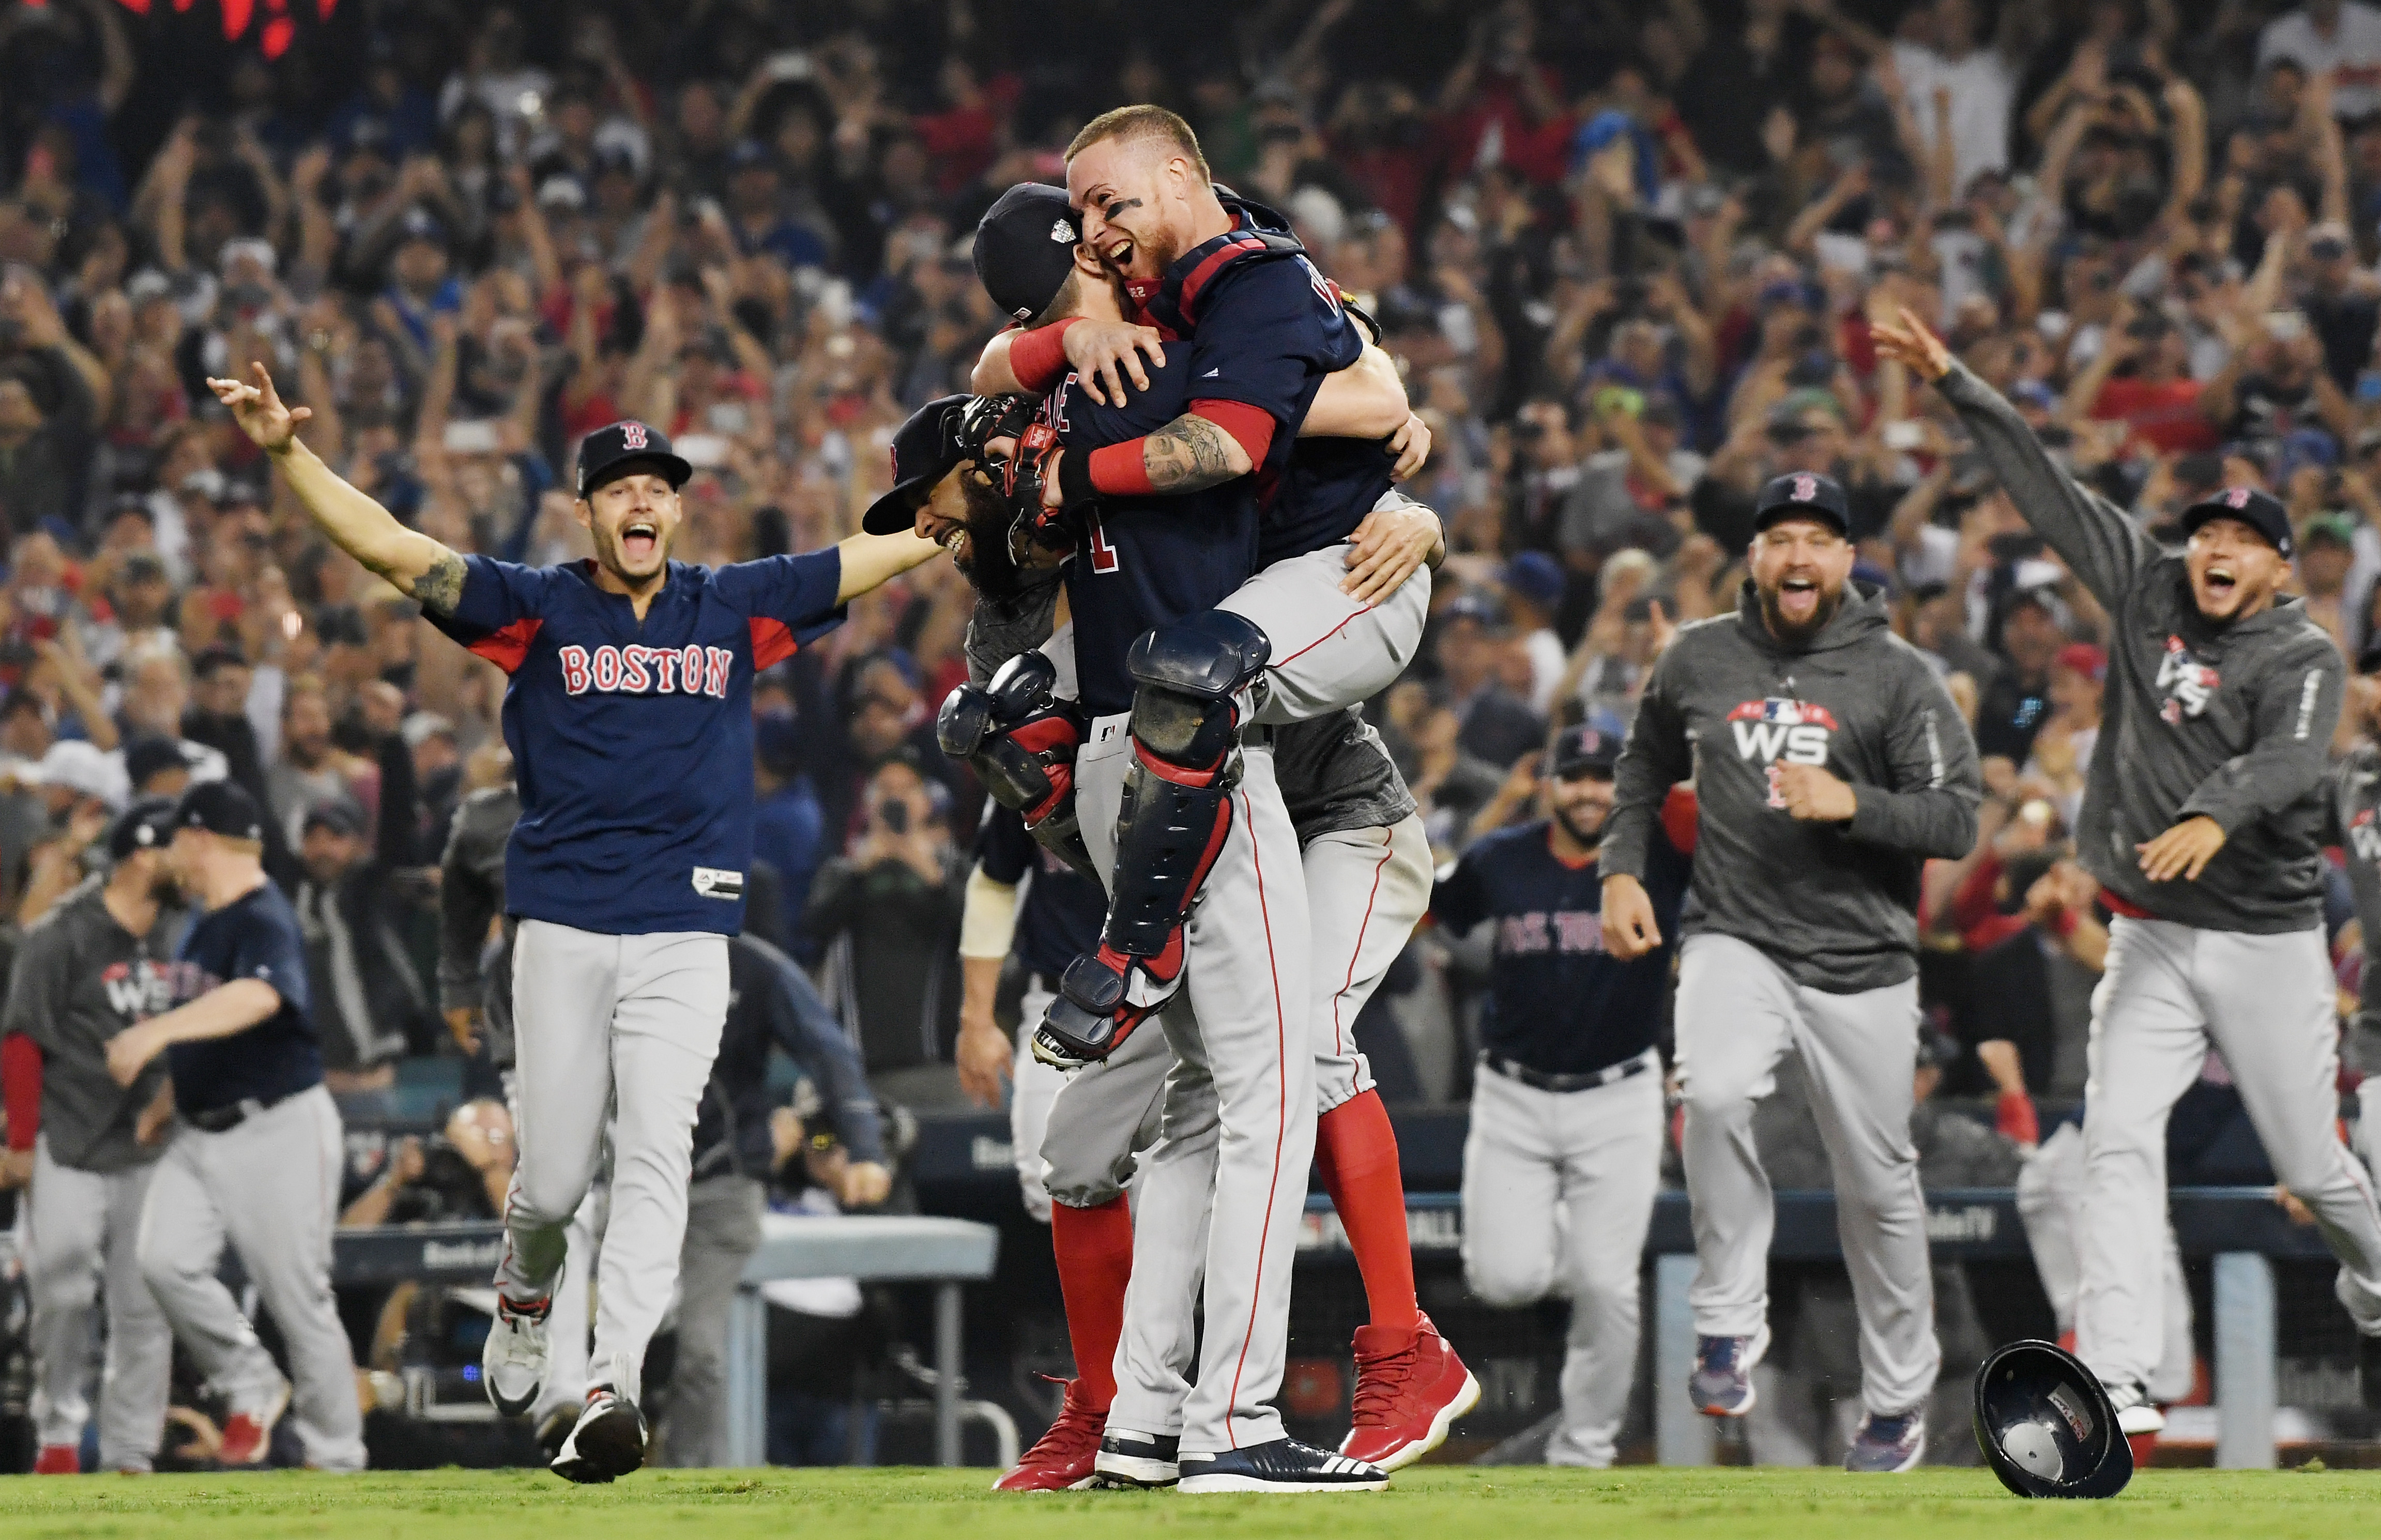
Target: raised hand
<point x="258" y="410"/>
<point x="1912" y="343"/>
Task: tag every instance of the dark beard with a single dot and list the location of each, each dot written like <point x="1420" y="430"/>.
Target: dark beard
<point x="989" y="565"/>
<point x="1590" y="838"/>
<point x="1797" y="636"/>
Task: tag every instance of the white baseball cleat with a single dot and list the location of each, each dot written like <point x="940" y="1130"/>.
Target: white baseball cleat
<point x="513" y="1363"/>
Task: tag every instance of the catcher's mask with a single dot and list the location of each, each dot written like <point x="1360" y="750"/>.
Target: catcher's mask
<point x="2045" y="1426"/>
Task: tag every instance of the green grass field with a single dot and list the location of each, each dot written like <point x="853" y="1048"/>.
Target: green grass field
<point x="1441" y="1503"/>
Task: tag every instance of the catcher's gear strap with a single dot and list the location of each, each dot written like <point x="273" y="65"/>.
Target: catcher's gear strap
<point x="988" y="918"/>
<point x="993" y="416"/>
<point x="1185" y="675"/>
<point x="1175" y="305"/>
<point x="1020" y="740"/>
<point x="1169" y="831"/>
<point x="1177" y="808"/>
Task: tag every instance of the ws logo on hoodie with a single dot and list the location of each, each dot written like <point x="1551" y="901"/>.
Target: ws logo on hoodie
<point x="1778" y="730"/>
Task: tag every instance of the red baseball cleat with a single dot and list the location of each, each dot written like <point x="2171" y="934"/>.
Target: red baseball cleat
<point x="248" y="1435"/>
<point x="59" y="1460"/>
<point x="1060" y="1461"/>
<point x="1409" y="1389"/>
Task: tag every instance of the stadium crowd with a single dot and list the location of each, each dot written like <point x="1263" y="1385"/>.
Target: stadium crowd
<point x="1627" y="258"/>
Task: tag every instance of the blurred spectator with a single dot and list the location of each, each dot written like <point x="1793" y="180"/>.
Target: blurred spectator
<point x="461" y="1174"/>
<point x="788" y="831"/>
<point x="369" y="1003"/>
<point x="1494" y="723"/>
<point x="889" y="910"/>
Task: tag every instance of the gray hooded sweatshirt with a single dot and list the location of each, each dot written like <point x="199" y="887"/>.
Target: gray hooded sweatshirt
<point x="1835" y="905"/>
<point x="2232" y="723"/>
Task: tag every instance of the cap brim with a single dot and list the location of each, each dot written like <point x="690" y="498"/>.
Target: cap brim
<point x="894" y="511"/>
<point x="2190" y="518"/>
<point x="1778" y="512"/>
<point x="672" y="467"/>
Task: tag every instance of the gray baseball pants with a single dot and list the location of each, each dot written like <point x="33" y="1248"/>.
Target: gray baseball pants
<point x="2268" y="1004"/>
<point x="2050" y="1205"/>
<point x="723" y="1229"/>
<point x="82" y="1228"/>
<point x="628" y="1026"/>
<point x="1558" y="1190"/>
<point x="1246" y="1070"/>
<point x="270" y="1184"/>
<point x="1738" y="1014"/>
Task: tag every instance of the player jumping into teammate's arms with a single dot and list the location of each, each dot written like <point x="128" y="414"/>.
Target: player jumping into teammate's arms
<point x="628" y="716"/>
<point x="2204" y="820"/>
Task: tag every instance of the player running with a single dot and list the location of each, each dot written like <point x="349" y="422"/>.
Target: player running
<point x="630" y="719"/>
<point x="2204" y="820"/>
<point x="257" y="1154"/>
<point x="89" y="969"/>
<point x="1565" y="1153"/>
<point x="1829" y="764"/>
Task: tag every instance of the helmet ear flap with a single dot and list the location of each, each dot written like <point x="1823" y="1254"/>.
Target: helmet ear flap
<point x="2045" y="1426"/>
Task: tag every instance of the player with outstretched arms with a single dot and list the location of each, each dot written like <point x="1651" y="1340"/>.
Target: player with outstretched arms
<point x="629" y="715"/>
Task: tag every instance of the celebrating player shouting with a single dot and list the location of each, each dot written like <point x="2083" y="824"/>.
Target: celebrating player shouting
<point x="2204" y="820"/>
<point x="1828" y="765"/>
<point x="629" y="720"/>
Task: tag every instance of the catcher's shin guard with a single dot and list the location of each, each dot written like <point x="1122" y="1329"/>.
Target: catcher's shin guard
<point x="1175" y="817"/>
<point x="1021" y="742"/>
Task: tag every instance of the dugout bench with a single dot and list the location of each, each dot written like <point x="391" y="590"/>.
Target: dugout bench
<point x="871" y="1248"/>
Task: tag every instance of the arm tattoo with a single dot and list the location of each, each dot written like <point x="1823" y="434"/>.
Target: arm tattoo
<point x="441" y="588"/>
<point x="1187" y="455"/>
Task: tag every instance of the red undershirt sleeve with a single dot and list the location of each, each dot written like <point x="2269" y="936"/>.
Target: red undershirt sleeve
<point x="20" y="1088"/>
<point x="1038" y="357"/>
<point x="1119" y="470"/>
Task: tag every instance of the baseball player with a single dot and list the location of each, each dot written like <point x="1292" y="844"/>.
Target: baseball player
<point x="87" y="970"/>
<point x="1222" y="645"/>
<point x="1260" y="332"/>
<point x="2203" y="818"/>
<point x="1565" y="1152"/>
<point x="1828" y="766"/>
<point x="630" y="719"/>
<point x="256" y="1156"/>
<point x="476" y="995"/>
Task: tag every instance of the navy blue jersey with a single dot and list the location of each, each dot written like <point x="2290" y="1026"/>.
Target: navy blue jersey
<point x="1145" y="561"/>
<point x="1557" y="1001"/>
<point x="632" y="744"/>
<point x="254" y="936"/>
<point x="1264" y="329"/>
<point x="1063" y="909"/>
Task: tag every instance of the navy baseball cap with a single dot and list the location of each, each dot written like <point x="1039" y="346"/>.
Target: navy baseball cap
<point x="923" y="452"/>
<point x="220" y="807"/>
<point x="1025" y="248"/>
<point x="1803" y="494"/>
<point x="2260" y="511"/>
<point x="147" y="824"/>
<point x="1586" y="750"/>
<point x="608" y="453"/>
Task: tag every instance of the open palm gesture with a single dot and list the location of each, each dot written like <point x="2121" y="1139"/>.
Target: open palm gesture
<point x="258" y="411"/>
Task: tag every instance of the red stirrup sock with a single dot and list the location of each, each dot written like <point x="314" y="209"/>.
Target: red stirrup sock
<point x="1095" y="1250"/>
<point x="1357" y="1151"/>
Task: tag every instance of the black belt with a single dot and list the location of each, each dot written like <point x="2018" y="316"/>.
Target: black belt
<point x="1540" y="1080"/>
<point x="222" y="1120"/>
